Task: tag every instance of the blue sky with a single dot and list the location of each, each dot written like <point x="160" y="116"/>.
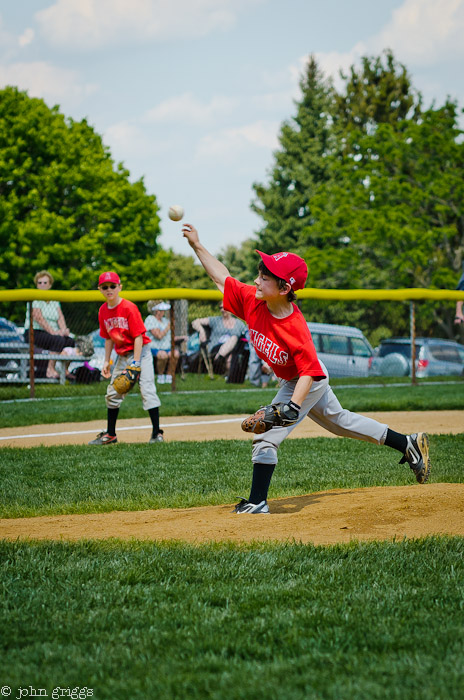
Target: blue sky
<point x="190" y="94"/>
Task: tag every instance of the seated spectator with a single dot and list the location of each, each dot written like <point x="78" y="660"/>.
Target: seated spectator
<point x="159" y="331"/>
<point x="225" y="330"/>
<point x="50" y="330"/>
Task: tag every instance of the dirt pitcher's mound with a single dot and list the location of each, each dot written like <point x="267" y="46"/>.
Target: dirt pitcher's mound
<point x="379" y="513"/>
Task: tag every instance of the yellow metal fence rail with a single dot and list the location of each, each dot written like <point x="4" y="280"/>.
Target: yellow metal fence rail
<point x="408" y="294"/>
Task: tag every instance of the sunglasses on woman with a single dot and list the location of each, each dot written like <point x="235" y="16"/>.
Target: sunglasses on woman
<point x="108" y="286"/>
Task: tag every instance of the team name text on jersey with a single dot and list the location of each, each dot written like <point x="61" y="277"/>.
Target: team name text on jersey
<point x="116" y="322"/>
<point x="265" y="345"/>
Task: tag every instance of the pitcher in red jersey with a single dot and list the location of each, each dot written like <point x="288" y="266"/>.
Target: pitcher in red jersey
<point x="280" y="336"/>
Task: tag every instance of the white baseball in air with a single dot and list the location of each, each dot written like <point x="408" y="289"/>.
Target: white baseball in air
<point x="176" y="212"/>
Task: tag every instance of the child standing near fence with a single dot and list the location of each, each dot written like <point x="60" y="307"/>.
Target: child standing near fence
<point x="122" y="328"/>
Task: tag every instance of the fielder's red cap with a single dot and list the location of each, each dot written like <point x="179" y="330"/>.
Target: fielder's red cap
<point x="108" y="277"/>
<point x="287" y="266"/>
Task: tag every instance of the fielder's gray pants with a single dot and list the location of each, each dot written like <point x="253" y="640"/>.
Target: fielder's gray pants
<point x="324" y="408"/>
<point x="150" y="398"/>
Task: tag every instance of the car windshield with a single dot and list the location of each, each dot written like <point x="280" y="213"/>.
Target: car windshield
<point x="402" y="348"/>
<point x="359" y="348"/>
<point x="334" y="344"/>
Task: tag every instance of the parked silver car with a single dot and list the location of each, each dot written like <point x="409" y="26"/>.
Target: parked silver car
<point x="434" y="357"/>
<point x="343" y="349"/>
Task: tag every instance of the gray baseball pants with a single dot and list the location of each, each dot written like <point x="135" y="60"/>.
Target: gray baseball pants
<point x="150" y="398"/>
<point x="323" y="407"/>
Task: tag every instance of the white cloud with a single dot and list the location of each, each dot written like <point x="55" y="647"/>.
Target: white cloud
<point x="420" y="33"/>
<point x="26" y="37"/>
<point x="8" y="42"/>
<point x="84" y="24"/>
<point x="270" y="101"/>
<point x="262" y="134"/>
<point x="129" y="138"/>
<point x="44" y="80"/>
<point x="187" y="109"/>
<point x="230" y="144"/>
<point x="332" y="62"/>
<point x="424" y="31"/>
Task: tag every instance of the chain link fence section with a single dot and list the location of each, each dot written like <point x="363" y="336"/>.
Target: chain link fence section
<point x="30" y="370"/>
<point x="31" y="366"/>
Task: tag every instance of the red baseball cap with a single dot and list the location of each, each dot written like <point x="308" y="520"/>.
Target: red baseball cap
<point x="108" y="277"/>
<point x="287" y="266"/>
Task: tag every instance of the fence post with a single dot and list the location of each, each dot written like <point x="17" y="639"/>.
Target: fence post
<point x="31" y="354"/>
<point x="412" y="324"/>
<point x="172" y="359"/>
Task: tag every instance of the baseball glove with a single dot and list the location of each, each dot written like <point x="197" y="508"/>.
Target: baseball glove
<point x="125" y="381"/>
<point x="277" y="415"/>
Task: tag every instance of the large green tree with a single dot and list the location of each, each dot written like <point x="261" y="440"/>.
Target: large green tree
<point x="65" y="205"/>
<point x="387" y="210"/>
<point x="241" y="261"/>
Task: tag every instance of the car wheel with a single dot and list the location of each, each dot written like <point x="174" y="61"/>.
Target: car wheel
<point x="395" y="365"/>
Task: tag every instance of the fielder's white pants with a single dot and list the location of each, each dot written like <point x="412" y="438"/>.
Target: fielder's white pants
<point x="150" y="398"/>
<point x="323" y="407"/>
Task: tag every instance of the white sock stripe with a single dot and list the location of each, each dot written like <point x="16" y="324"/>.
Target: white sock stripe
<point x="412" y="451"/>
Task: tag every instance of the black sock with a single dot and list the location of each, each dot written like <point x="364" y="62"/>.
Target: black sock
<point x="396" y="440"/>
<point x="262" y="475"/>
<point x="155" y="420"/>
<point x="112" y="418"/>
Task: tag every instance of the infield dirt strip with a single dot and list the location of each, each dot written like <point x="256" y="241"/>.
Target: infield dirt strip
<point x="328" y="517"/>
<point x="226" y="427"/>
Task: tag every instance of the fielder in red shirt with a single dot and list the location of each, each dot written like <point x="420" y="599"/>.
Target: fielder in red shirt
<point x="280" y="336"/>
<point x="124" y="332"/>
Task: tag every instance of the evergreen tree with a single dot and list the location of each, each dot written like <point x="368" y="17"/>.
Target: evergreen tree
<point x="368" y="187"/>
<point x="381" y="92"/>
<point x="300" y="166"/>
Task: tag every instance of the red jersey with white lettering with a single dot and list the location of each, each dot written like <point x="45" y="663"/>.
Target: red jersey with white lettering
<point x="122" y="323"/>
<point x="284" y="343"/>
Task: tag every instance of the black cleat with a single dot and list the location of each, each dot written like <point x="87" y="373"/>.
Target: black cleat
<point x="246" y="507"/>
<point x="417" y="456"/>
<point x="104" y="439"/>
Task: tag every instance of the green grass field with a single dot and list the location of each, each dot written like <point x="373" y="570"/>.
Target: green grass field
<point x="118" y="620"/>
<point x="141" y="621"/>
<point x="216" y="397"/>
<point x="81" y="479"/>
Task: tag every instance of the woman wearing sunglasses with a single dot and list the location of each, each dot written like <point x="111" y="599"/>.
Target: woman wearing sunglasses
<point x="50" y="329"/>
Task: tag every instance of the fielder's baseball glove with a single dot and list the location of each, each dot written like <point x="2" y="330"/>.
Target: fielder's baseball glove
<point x="275" y="415"/>
<point x="125" y="381"/>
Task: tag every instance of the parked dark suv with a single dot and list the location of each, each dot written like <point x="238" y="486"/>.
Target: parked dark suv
<point x="434" y="356"/>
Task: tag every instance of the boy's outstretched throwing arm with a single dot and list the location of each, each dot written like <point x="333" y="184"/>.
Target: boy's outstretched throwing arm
<point x="214" y="268"/>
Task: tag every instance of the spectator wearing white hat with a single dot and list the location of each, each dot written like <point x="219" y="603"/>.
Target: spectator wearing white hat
<point x="159" y="331"/>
